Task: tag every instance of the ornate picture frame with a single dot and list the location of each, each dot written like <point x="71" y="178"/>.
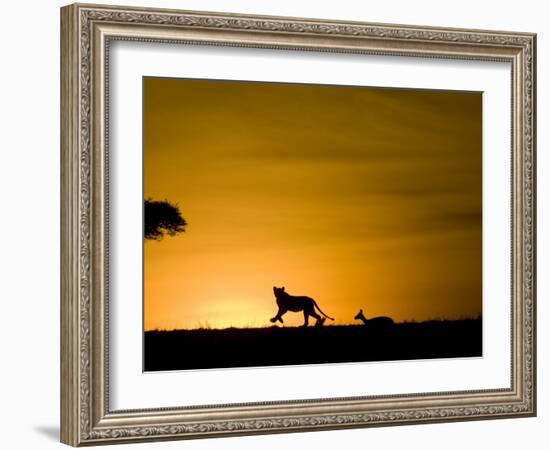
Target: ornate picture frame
<point x="87" y="32"/>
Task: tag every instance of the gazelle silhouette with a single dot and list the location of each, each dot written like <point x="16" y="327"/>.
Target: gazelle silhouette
<point x="381" y="321"/>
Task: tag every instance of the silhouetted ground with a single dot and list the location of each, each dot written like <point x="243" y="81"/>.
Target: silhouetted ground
<point x="247" y="347"/>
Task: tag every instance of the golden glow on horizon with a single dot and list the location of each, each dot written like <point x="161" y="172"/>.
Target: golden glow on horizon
<point x="358" y="197"/>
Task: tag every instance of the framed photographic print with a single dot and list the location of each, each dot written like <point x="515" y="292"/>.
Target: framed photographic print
<point x="276" y="224"/>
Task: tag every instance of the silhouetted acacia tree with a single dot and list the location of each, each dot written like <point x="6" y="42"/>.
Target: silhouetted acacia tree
<point x="162" y="218"/>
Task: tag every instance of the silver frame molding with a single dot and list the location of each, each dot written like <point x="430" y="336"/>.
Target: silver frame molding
<point x="86" y="32"/>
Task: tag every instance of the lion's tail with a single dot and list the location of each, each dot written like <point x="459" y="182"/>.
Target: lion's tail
<point x="321" y="311"/>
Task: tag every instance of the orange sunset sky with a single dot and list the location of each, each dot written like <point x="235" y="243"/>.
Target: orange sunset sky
<point x="358" y="197"/>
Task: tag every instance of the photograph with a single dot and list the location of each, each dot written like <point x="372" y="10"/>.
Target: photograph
<point x="290" y="224"/>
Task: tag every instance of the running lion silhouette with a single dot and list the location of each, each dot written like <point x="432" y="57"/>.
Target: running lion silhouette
<point x="287" y="302"/>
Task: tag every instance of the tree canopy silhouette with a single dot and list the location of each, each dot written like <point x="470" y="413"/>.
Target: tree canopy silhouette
<point x="162" y="218"/>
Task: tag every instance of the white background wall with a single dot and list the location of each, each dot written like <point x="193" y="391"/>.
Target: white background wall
<point x="29" y="222"/>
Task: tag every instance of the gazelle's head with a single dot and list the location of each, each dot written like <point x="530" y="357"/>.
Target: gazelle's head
<point x="359" y="315"/>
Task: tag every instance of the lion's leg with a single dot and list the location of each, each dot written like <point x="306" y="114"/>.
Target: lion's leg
<point x="320" y="320"/>
<point x="306" y="319"/>
<point x="279" y="316"/>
